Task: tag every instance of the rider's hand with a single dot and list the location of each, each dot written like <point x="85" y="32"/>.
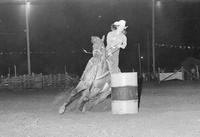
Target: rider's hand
<point x="109" y="53"/>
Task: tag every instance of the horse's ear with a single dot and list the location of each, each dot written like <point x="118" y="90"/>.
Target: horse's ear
<point x="103" y="38"/>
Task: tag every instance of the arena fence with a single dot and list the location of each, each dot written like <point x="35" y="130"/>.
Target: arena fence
<point x="39" y="81"/>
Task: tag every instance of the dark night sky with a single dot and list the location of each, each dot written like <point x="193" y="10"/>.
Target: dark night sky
<point x="64" y="28"/>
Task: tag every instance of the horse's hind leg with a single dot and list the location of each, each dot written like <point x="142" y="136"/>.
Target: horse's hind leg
<point x="82" y="106"/>
<point x="103" y="95"/>
<point x="73" y="96"/>
<point x="82" y="101"/>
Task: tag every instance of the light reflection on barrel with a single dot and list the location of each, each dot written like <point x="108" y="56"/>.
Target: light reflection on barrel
<point x="124" y="93"/>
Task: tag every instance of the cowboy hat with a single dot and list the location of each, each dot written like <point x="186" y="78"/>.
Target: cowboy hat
<point x="121" y="23"/>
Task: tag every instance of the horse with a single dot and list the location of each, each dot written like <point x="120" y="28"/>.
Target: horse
<point x="94" y="84"/>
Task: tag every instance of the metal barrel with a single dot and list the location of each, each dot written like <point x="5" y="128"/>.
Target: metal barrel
<point x="124" y="93"/>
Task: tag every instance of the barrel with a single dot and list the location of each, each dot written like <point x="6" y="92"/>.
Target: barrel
<point x="124" y="93"/>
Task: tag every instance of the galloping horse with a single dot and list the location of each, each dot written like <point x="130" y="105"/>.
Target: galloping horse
<point x="95" y="80"/>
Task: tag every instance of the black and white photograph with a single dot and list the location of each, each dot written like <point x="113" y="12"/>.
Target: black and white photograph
<point x="99" y="68"/>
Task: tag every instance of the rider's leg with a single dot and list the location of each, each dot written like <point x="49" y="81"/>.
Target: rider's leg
<point x="113" y="63"/>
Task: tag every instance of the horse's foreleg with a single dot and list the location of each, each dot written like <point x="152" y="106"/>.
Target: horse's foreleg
<point x="73" y="96"/>
<point x="76" y="93"/>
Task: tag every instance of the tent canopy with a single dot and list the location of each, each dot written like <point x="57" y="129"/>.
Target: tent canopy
<point x="108" y="1"/>
<point x="190" y="62"/>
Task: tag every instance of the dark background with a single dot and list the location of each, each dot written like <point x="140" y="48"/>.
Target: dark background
<point x="59" y="31"/>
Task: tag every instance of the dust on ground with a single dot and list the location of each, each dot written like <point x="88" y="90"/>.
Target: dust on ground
<point x="169" y="109"/>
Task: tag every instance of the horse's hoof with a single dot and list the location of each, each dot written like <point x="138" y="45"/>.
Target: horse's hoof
<point x="90" y="107"/>
<point x="83" y="109"/>
<point x="61" y="109"/>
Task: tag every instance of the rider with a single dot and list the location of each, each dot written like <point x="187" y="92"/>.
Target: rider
<point x="116" y="39"/>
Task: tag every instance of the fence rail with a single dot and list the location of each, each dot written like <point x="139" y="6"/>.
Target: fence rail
<point x="38" y="81"/>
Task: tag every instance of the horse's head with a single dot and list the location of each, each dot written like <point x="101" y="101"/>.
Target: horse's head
<point x="98" y="46"/>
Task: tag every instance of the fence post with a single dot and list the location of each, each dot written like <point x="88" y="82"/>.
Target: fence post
<point x="197" y="71"/>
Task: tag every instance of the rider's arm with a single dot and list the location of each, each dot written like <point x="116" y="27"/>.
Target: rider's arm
<point x="124" y="42"/>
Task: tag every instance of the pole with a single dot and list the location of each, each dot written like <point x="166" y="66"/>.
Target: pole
<point x="197" y="71"/>
<point x="15" y="69"/>
<point x="28" y="37"/>
<point x="139" y="59"/>
<point x="153" y="36"/>
<point x="65" y="68"/>
<point x="8" y="71"/>
<point x="148" y="55"/>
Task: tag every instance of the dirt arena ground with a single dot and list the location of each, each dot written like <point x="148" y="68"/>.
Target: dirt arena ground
<point x="169" y="109"/>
